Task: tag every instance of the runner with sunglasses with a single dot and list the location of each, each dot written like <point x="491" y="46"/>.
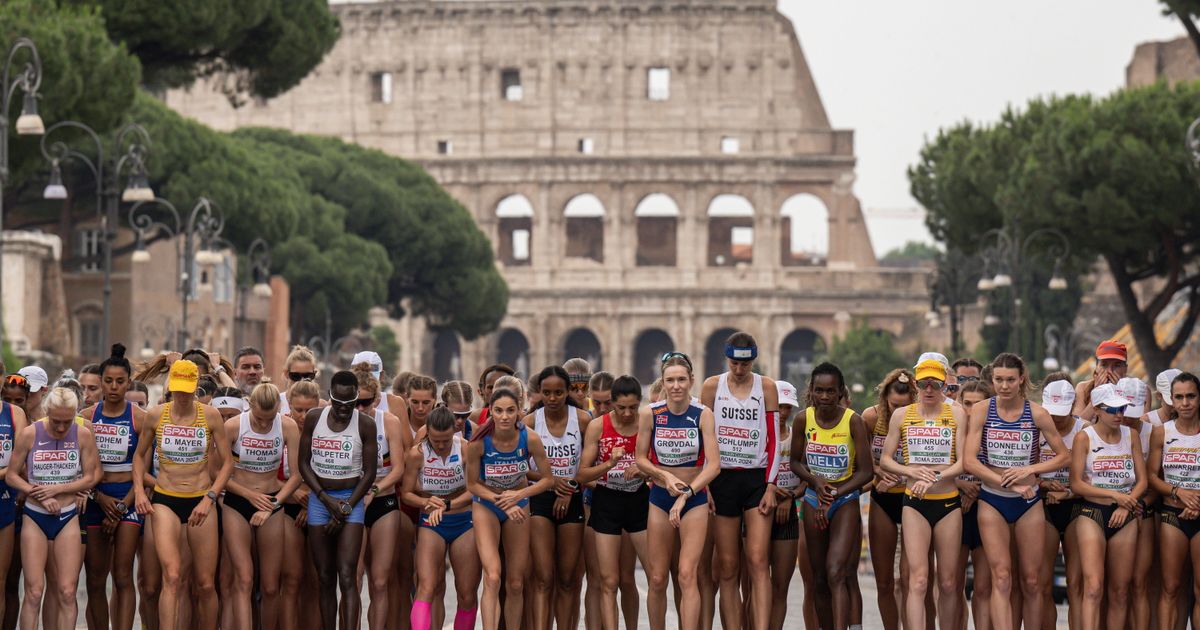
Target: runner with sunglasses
<point x="299" y="591"/>
<point x="745" y="408"/>
<point x="1109" y="473"/>
<point x="927" y="434"/>
<point x="896" y="391"/>
<point x="300" y="365"/>
<point x="1058" y="398"/>
<point x="12" y="421"/>
<point x="457" y="397"/>
<point x="1112" y="362"/>
<point x="1146" y="579"/>
<point x="189" y="446"/>
<point x="1174" y="471"/>
<point x="964" y="370"/>
<point x="971" y="393"/>
<point x="339" y="466"/>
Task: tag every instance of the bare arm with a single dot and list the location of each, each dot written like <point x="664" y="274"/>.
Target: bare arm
<point x="291" y="437"/>
<point x="395" y="436"/>
<point x="591" y="450"/>
<point x="475" y="485"/>
<point x="538" y="453"/>
<point x="864" y="468"/>
<point x="370" y="458"/>
<point x="408" y="486"/>
<point x="712" y="452"/>
<point x="14" y="475"/>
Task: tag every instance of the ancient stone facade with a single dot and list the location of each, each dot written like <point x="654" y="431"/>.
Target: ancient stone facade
<point x="1174" y="60"/>
<point x="654" y="174"/>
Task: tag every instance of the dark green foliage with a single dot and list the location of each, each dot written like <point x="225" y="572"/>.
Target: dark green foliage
<point x="865" y="356"/>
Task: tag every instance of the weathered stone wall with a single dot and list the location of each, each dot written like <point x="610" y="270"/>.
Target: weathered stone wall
<point x="1174" y="60"/>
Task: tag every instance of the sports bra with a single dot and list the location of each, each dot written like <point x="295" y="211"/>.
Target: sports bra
<point x="744" y="436"/>
<point x="676" y="441"/>
<point x="829" y="452"/>
<point x="1180" y="458"/>
<point x="1009" y="444"/>
<point x="258" y="452"/>
<point x="52" y="461"/>
<point x="1062" y="475"/>
<point x="116" y="439"/>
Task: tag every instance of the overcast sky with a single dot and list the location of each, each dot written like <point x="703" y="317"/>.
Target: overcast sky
<point x="895" y="72"/>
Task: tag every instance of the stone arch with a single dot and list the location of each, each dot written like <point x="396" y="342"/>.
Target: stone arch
<point x="582" y="342"/>
<point x="514" y="214"/>
<point x="657" y="218"/>
<point x="648" y="348"/>
<point x="584" y="218"/>
<point x="447" y="356"/>
<point x="730" y="231"/>
<point x="714" y="351"/>
<point x="804" y="231"/>
<point x="798" y="354"/>
<point x="512" y="349"/>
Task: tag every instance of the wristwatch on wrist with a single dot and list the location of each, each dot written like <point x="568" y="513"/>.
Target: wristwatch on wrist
<point x="937" y="476"/>
<point x="374" y="491"/>
<point x="212" y="496"/>
<point x="121" y="507"/>
<point x="345" y="508"/>
<point x="1175" y="492"/>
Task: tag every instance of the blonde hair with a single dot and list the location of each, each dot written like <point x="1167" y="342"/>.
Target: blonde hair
<point x="459" y="392"/>
<point x="577" y="366"/>
<point x="303" y="389"/>
<point x="61" y="398"/>
<point x="299" y="353"/>
<point x="512" y="384"/>
<point x="656" y="390"/>
<point x="265" y="397"/>
<point x="366" y="380"/>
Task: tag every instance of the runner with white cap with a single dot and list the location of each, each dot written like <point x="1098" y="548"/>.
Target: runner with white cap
<point x="1145" y="585"/>
<point x="38" y="383"/>
<point x="787" y="545"/>
<point x="1058" y="398"/>
<point x="1174" y="471"/>
<point x="1109" y="473"/>
<point x="1162" y="391"/>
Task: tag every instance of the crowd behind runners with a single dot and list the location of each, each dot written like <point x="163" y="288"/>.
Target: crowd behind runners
<point x="233" y="502"/>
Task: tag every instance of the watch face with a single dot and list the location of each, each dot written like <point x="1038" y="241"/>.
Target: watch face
<point x="121" y="507"/>
<point x="346" y="509"/>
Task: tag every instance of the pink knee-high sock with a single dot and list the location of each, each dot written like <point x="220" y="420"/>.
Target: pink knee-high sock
<point x="464" y="619"/>
<point x="420" y="616"/>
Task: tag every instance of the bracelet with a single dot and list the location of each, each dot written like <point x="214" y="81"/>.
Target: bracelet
<point x="1175" y="492"/>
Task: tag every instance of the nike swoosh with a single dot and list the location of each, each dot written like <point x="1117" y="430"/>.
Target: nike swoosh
<point x="949" y="505"/>
<point x="40" y="443"/>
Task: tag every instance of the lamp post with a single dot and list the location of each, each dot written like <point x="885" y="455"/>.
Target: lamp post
<point x="1066" y="348"/>
<point x="205" y="222"/>
<point x="28" y="79"/>
<point x="950" y="285"/>
<point x="1009" y="250"/>
<point x="131" y="144"/>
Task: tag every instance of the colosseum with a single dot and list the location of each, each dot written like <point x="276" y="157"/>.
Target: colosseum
<point x="653" y="174"/>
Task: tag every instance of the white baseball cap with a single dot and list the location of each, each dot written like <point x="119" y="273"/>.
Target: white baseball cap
<point x="36" y="377"/>
<point x="1107" y="396"/>
<point x="787" y="393"/>
<point x="936" y="356"/>
<point x="1058" y="397"/>
<point x="1163" y="383"/>
<point x="371" y="358"/>
<point x="1136" y="393"/>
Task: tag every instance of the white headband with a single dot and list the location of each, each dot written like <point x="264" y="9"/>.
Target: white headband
<point x="229" y="402"/>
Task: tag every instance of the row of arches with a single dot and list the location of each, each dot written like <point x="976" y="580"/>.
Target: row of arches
<point x="795" y="355"/>
<point x="804" y="237"/>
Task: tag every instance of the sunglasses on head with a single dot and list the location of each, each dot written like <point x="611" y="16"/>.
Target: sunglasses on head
<point x="676" y="355"/>
<point x="900" y="387"/>
<point x="296" y="377"/>
<point x="579" y="387"/>
<point x="461" y="415"/>
<point x="1116" y="411"/>
<point x="930" y="383"/>
<point x="16" y="379"/>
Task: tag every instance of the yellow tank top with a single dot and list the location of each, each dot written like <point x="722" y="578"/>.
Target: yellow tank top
<point x="829" y="452"/>
<point x="929" y="442"/>
<point x="178" y="445"/>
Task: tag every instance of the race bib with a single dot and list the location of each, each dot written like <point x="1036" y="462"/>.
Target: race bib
<point x="183" y="445"/>
<point x="112" y="442"/>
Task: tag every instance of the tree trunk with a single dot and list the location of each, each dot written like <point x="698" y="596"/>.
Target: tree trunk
<point x="1155" y="357"/>
<point x="1190" y="27"/>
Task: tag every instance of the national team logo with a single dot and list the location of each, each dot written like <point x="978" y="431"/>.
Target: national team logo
<point x="660" y="419"/>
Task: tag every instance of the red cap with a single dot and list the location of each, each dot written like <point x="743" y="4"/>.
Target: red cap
<point x="1111" y="349"/>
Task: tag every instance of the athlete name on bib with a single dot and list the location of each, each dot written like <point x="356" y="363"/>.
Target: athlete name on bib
<point x="442" y="480"/>
<point x="930" y="445"/>
<point x="1113" y="472"/>
<point x="786" y="479"/>
<point x="259" y="455"/>
<point x="112" y="442"/>
<point x="505" y="475"/>
<point x="1181" y="467"/>
<point x="563" y="458"/>
<point x="828" y="461"/>
<point x="333" y="457"/>
<point x="1062" y="475"/>
<point x="1008" y="448"/>
<point x="183" y="445"/>
<point x="676" y="446"/>
<point x="54" y="467"/>
<point x="739" y="446"/>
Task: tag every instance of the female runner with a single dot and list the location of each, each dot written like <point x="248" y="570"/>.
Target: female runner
<point x="300" y="365"/>
<point x="745" y="408"/>
<point x="927" y="434"/>
<point x="382" y="519"/>
<point x="1006" y="456"/>
<point x="435" y="482"/>
<point x="1175" y="473"/>
<point x="116" y="425"/>
<point x="254" y="501"/>
<point x="832" y="456"/>
<point x="300" y="594"/>
<point x="339" y="466"/>
<point x="1058" y="398"/>
<point x="497" y="466"/>
<point x="188" y="441"/>
<point x="971" y="393"/>
<point x="487" y="384"/>
<point x="787" y="547"/>
<point x="458" y="397"/>
<point x="1109" y="473"/>
<point x="887" y="497"/>
<point x="557" y="514"/>
<point x="12" y="421"/>
<point x="52" y="460"/>
<point x="620" y="500"/>
<point x="677" y="451"/>
<point x="1146" y="579"/>
<point x="1162" y="392"/>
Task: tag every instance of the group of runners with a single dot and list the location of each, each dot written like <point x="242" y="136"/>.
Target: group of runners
<point x="233" y="502"/>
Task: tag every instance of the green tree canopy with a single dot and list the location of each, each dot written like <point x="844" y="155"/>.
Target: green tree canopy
<point x="911" y="254"/>
<point x="1113" y="174"/>
<point x="263" y="47"/>
<point x="865" y="356"/>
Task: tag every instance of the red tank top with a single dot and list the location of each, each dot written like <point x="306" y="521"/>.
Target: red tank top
<point x="609" y="440"/>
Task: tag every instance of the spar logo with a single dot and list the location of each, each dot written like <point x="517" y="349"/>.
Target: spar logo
<point x="1010" y="435"/>
<point x="736" y="432"/>
<point x="259" y="443"/>
<point x="817" y="448"/>
<point x="677" y="434"/>
<point x="1116" y="463"/>
<point x="1179" y="458"/>
<point x="330" y="444"/>
<point x="108" y="430"/>
<point x="443" y="473"/>
<point x="500" y="470"/>
<point x="928" y="432"/>
<point x="175" y="431"/>
<point x="48" y="457"/>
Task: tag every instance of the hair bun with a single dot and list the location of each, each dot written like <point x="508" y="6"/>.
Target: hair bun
<point x="118" y="351"/>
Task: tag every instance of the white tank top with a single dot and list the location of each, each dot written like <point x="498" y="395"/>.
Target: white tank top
<point x="1062" y="475"/>
<point x="284" y="407"/>
<point x="383" y="402"/>
<point x="441" y="477"/>
<point x="1180" y="458"/>
<point x="741" y="424"/>
<point x="1144" y="434"/>
<point x="258" y="452"/>
<point x="562" y="452"/>
<point x="336" y="454"/>
<point x="383" y="459"/>
<point x="1154" y="416"/>
<point x="786" y="479"/>
<point x="1110" y="466"/>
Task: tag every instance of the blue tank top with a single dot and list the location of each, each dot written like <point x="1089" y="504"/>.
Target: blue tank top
<point x="1010" y="444"/>
<point x="505" y="470"/>
<point x="676" y="441"/>
<point x="116" y="439"/>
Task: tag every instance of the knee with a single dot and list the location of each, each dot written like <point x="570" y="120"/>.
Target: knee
<point x="757" y="564"/>
<point x="608" y="585"/>
<point x="1093" y="589"/>
<point x="204" y="588"/>
<point x="269" y="588"/>
<point x="147" y="588"/>
<point x="1031" y="584"/>
<point x="327" y="576"/>
<point x="467" y="599"/>
<point x="97" y="582"/>
<point x="687" y="577"/>
<point x="171" y="580"/>
<point x="568" y="583"/>
<point x="347" y="582"/>
<point x="885" y="585"/>
<point x="1118" y="594"/>
<point x="837" y="574"/>
<point x="725" y="569"/>
<point x="656" y="581"/>
<point x="122" y="577"/>
<point x="514" y="586"/>
<point x="67" y="592"/>
<point x="243" y="580"/>
<point x="491" y="579"/>
<point x="34" y="590"/>
<point x="948" y="585"/>
<point x="1170" y="588"/>
<point x="380" y="583"/>
<point x="1002" y="580"/>
<point x="918" y="582"/>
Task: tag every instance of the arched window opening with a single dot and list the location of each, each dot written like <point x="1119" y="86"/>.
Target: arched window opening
<point x="657" y="216"/>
